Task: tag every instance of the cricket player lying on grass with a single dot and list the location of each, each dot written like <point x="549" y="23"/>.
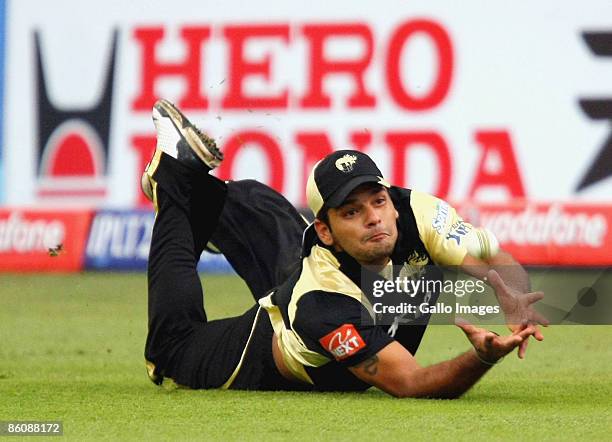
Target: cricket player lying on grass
<point x="311" y="328"/>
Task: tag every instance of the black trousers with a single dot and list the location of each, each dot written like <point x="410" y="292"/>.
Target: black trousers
<point x="260" y="233"/>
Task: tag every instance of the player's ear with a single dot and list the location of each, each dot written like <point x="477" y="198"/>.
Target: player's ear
<point x="323" y="232"/>
<point x="394" y="208"/>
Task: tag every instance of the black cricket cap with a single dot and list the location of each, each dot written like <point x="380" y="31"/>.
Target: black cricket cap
<point x="334" y="177"/>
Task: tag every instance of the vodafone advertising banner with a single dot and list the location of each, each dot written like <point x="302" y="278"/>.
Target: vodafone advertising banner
<point x="471" y="101"/>
<point x="43" y="240"/>
<point x="551" y="234"/>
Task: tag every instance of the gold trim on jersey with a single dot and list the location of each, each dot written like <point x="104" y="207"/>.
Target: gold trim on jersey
<point x="320" y="271"/>
<point x="231" y="379"/>
<point x="158" y="379"/>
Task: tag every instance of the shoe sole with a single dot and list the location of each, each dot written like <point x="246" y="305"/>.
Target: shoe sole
<point x="201" y="144"/>
<point x="146" y="186"/>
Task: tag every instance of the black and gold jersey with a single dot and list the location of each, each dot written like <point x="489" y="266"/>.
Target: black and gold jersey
<point x="323" y="321"/>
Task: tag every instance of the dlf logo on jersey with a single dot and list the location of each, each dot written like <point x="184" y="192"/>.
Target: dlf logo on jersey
<point x="73" y="144"/>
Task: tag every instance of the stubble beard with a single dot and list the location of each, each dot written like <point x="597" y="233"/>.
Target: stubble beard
<point x="371" y="254"/>
<point x="376" y="254"/>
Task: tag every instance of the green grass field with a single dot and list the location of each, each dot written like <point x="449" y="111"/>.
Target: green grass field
<point x="71" y="349"/>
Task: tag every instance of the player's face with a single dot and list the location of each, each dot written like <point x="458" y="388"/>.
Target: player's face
<point x="365" y="225"/>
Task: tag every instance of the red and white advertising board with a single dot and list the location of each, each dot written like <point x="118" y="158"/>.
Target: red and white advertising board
<point x="33" y="240"/>
<point x="548" y="234"/>
<point x="467" y="100"/>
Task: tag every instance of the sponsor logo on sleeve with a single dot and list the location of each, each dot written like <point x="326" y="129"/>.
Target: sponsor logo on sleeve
<point x="439" y="220"/>
<point x="457" y="231"/>
<point x="343" y="342"/>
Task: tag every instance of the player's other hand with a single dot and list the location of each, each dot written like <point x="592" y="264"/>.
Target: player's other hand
<point x="518" y="309"/>
<point x="489" y="346"/>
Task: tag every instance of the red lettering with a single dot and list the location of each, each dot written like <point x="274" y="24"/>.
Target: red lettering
<point x="496" y="145"/>
<point x="441" y="85"/>
<point x="401" y="142"/>
<point x="361" y="140"/>
<point x="240" y="69"/>
<point x="321" y="66"/>
<point x="189" y="69"/>
<point x="268" y="147"/>
<point x="143" y="145"/>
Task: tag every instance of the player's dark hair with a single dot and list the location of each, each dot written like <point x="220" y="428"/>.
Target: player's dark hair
<point x="323" y="216"/>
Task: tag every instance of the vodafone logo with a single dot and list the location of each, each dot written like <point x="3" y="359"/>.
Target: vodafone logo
<point x="547" y="225"/>
<point x="343" y="342"/>
<point x="43" y="240"/>
<point x="549" y="234"/>
<point x="18" y="234"/>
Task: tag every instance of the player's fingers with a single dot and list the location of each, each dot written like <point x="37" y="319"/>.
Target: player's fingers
<point x="524" y="334"/>
<point x="507" y="343"/>
<point x="534" y="297"/>
<point x="519" y="327"/>
<point x="523" y="348"/>
<point x="495" y="280"/>
<point x="489" y="340"/>
<point x="539" y="319"/>
<point x="538" y="334"/>
<point x="465" y="326"/>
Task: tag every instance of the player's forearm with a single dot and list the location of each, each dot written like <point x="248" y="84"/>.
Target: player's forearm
<point x="445" y="380"/>
<point x="511" y="272"/>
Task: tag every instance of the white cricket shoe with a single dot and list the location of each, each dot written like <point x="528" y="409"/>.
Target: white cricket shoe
<point x="179" y="138"/>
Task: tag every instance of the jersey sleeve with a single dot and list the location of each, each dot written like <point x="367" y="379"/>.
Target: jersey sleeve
<point x="339" y="327"/>
<point x="440" y="227"/>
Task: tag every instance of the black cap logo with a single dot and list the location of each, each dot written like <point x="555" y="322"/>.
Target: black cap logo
<point x="346" y="163"/>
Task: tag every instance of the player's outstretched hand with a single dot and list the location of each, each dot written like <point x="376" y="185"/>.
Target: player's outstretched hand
<point x="518" y="309"/>
<point x="489" y="346"/>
